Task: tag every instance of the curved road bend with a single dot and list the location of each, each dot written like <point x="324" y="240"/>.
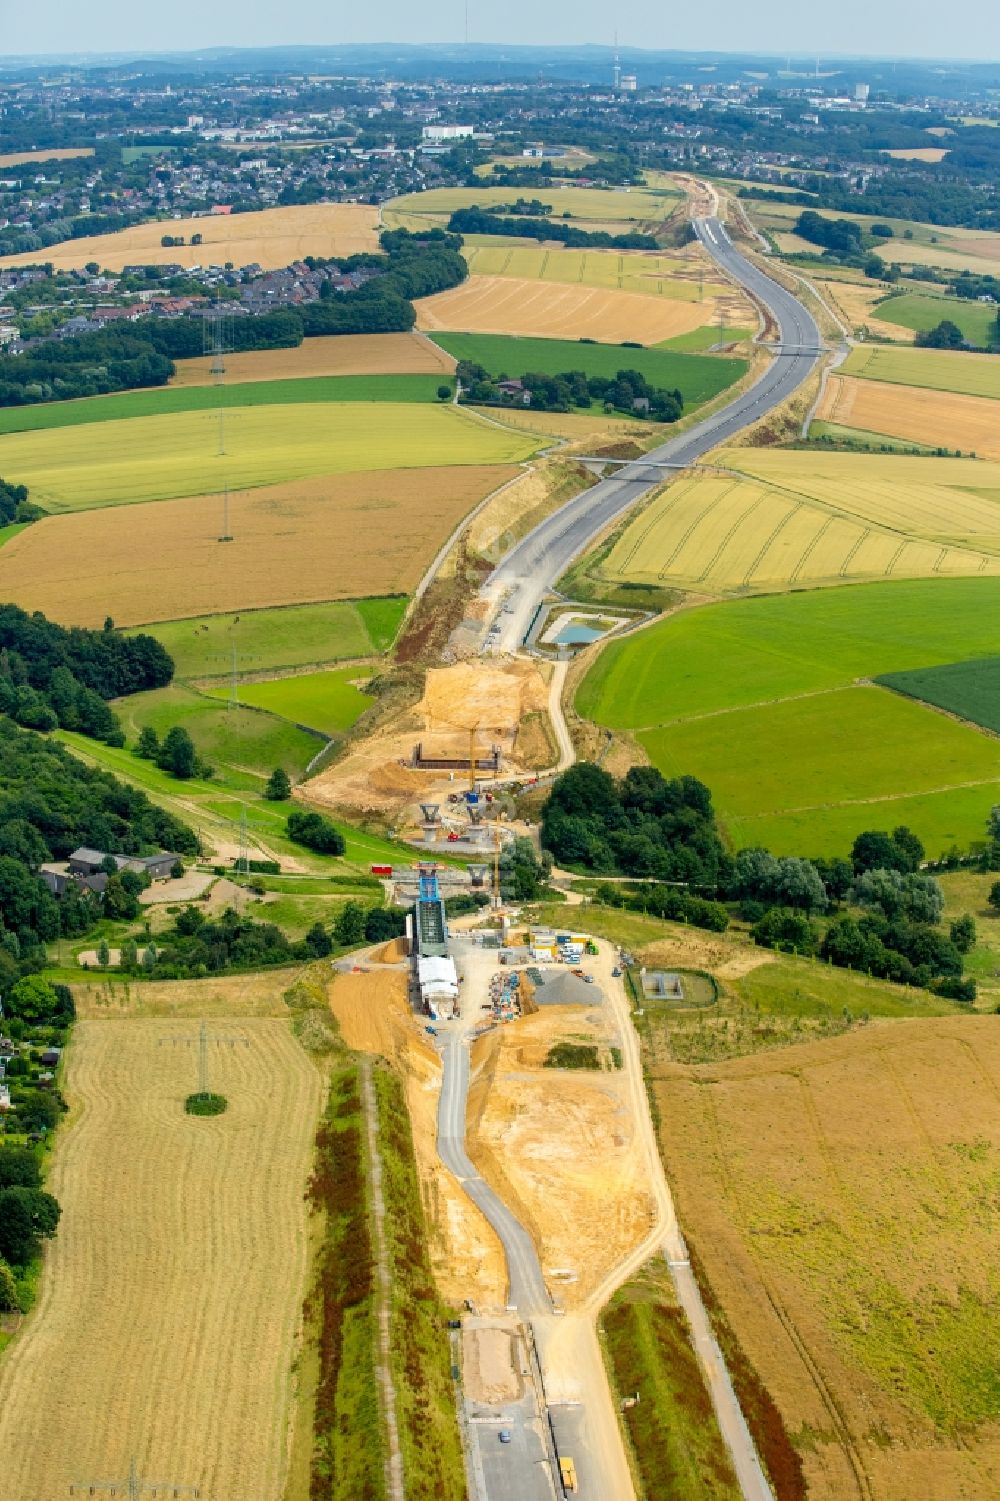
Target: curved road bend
<point x="532" y="567"/>
<point x="527" y="1285"/>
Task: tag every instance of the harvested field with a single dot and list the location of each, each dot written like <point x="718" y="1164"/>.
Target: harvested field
<point x="340" y="354"/>
<point x="153" y="1241"/>
<point x="561" y="1147"/>
<point x="838" y="1197"/>
<point x="339" y="535"/>
<point x="508" y="305"/>
<point x="160" y="458"/>
<point x="631" y="206"/>
<point x="272" y="237"/>
<point x="918" y="154"/>
<point x="968" y="423"/>
<point x="937" y="369"/>
<point x="686" y="275"/>
<point x="46" y="154"/>
<point x="723" y="533"/>
<point x="234" y="996"/>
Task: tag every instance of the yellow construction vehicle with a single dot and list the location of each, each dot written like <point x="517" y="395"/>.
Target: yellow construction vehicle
<point x="567" y="1474"/>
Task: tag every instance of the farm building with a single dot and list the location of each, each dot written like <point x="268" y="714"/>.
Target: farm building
<point x="88" y="862"/>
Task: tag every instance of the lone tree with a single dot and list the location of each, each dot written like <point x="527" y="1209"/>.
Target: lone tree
<point x="278" y="788"/>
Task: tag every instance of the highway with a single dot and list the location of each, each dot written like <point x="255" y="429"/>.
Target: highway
<point x="532" y="567"/>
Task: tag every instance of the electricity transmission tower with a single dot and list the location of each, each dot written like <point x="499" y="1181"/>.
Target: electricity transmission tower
<point x="133" y="1487"/>
<point x="227" y="535"/>
<point x="203" y="1038"/>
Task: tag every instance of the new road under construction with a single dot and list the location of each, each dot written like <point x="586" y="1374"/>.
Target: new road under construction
<point x="545" y="1423"/>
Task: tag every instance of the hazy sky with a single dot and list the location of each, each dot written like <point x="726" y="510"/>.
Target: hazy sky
<point x="969" y="28"/>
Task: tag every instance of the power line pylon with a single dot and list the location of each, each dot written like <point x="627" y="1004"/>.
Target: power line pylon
<point x="203" y="1037"/>
<point x="133" y="1487"/>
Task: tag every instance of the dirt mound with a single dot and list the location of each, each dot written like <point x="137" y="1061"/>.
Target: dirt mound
<point x="393" y="952"/>
<point x="373" y="1012"/>
<point x="375" y="777"/>
<point x="488" y="1373"/>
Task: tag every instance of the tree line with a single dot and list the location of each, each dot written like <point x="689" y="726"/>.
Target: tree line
<point x="477" y="221"/>
<point x="627" y="391"/>
<point x="876" y="911"/>
<point x="53" y="677"/>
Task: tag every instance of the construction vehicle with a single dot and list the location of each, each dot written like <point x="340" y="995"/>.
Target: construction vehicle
<point x="567" y="1474"/>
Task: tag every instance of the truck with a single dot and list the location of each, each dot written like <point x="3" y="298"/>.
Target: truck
<point x="567" y="1474"/>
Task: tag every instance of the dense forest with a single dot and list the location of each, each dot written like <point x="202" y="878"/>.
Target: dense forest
<point x="477" y="221"/>
<point x="52" y="676"/>
<point x="142" y="354"/>
<point x="51" y="803"/>
<point x="877" y="911"/>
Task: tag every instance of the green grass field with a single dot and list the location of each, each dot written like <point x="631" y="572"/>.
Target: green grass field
<point x="158" y="458"/>
<point x="977" y="320"/>
<point x="272" y="640"/>
<point x="706" y="337"/>
<point x="673" y="1431"/>
<point x="8" y="533"/>
<point x="324" y="701"/>
<point x="697" y="378"/>
<point x="243" y="745"/>
<point x="937" y="369"/>
<point x="214" y="809"/>
<point x="756" y="698"/>
<point x="971" y="690"/>
<point x="167" y="399"/>
<point x="853" y="746"/>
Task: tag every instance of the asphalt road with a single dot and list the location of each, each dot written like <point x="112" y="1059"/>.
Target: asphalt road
<point x="531" y="568"/>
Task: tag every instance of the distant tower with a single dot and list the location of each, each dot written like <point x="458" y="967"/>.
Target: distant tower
<point x="617" y="74"/>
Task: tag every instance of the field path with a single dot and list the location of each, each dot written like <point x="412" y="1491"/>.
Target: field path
<point x="171" y="1298"/>
<point x="394" y="1456"/>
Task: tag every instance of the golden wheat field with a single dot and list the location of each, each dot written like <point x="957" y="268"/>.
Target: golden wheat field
<point x="796" y="523"/>
<point x="135" y="459"/>
<point x="840" y="1196"/>
<point x="968" y="423"/>
<point x="686" y="275"/>
<point x="326" y="537"/>
<point x="334" y="354"/>
<point x="49" y="154"/>
<point x="508" y="305"/>
<point x="271" y="237"/>
<point x="919" y="154"/>
<point x="169" y="1312"/>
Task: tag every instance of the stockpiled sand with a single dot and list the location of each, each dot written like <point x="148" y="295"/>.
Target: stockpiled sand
<point x="804" y="521"/>
<point x="839" y="1196"/>
<point x="159" y="458"/>
<point x="377" y="777"/>
<point x="169" y="1314"/>
<point x="328" y="537"/>
<point x="969" y="423"/>
<point x="374" y="1016"/>
<point x="509" y="305"/>
<point x="336" y="354"/>
<point x="561" y="1148"/>
<point x="270" y="238"/>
